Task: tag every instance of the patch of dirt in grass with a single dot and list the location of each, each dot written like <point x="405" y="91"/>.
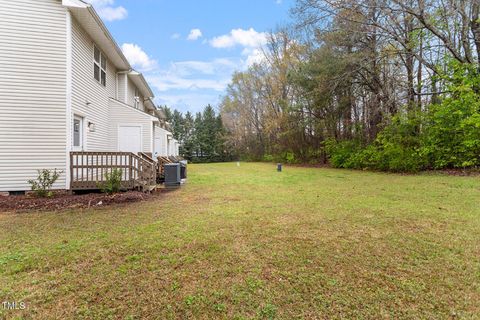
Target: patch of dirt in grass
<point x="469" y="172"/>
<point x="458" y="172"/>
<point x="18" y="204"/>
<point x="310" y="165"/>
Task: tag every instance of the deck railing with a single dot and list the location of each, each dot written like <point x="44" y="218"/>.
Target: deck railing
<point x="145" y="169"/>
<point x="88" y="170"/>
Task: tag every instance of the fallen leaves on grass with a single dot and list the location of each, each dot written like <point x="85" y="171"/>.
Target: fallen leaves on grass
<point x="64" y="202"/>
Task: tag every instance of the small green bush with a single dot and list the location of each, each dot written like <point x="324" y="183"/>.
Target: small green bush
<point x="447" y="135"/>
<point x="113" y="182"/>
<point x="268" y="158"/>
<point x="42" y="186"/>
<point x="340" y="153"/>
<point x="290" y="158"/>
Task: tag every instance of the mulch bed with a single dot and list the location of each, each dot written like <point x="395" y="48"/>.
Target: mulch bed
<point x="65" y="201"/>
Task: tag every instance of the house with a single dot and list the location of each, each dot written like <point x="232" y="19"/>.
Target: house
<point x="69" y="99"/>
<point x="164" y="143"/>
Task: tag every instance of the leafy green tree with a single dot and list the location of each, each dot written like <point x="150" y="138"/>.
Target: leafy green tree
<point x="453" y="130"/>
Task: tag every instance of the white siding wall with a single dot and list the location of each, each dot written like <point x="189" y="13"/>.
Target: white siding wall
<point x="123" y="114"/>
<point x="32" y="91"/>
<point x="173" y="147"/>
<point x="87" y="89"/>
<point x="161" y="135"/>
<point x="122" y="85"/>
<point x="131" y="95"/>
<point x="177" y="149"/>
<point x="141" y="105"/>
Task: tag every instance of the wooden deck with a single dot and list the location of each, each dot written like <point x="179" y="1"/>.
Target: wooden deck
<point x="88" y="170"/>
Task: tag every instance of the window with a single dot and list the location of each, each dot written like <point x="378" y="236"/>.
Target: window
<point x="99" y="66"/>
<point x="136" y="99"/>
<point x="77" y="132"/>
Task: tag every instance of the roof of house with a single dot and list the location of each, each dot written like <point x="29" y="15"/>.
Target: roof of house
<point x="141" y="83"/>
<point x="88" y="18"/>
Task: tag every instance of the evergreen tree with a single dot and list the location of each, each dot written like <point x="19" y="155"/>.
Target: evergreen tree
<point x="178" y="126"/>
<point x="202" y="138"/>
<point x="188" y="143"/>
<point x="198" y="129"/>
<point x="168" y="113"/>
<point x="209" y="134"/>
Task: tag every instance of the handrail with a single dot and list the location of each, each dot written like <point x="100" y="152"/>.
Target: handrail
<point x="146" y="157"/>
<point x="146" y="169"/>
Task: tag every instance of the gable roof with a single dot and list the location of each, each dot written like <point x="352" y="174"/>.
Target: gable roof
<point x="139" y="80"/>
<point x="88" y="18"/>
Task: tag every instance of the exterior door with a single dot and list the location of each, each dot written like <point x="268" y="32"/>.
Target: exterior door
<point x="130" y="139"/>
<point x="77" y="133"/>
<point x="158" y="147"/>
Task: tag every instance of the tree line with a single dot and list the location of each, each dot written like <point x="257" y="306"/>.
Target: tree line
<point x="202" y="137"/>
<point x="377" y="84"/>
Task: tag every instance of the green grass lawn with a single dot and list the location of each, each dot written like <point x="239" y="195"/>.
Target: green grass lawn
<point x="247" y="242"/>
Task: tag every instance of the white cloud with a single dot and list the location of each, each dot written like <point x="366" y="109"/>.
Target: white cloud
<point x="192" y="75"/>
<point x="278" y="1"/>
<point x="191" y="85"/>
<point x="175" y="36"/>
<point x="138" y="58"/>
<point x="108" y="11"/>
<point x="193" y="102"/>
<point x="217" y="66"/>
<point x="101" y="3"/>
<point x="240" y="37"/>
<point x="253" y="56"/>
<point x="195" y="34"/>
<point x="167" y="82"/>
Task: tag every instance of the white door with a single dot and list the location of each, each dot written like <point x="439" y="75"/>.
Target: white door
<point x="158" y="147"/>
<point x="77" y="133"/>
<point x="130" y="139"/>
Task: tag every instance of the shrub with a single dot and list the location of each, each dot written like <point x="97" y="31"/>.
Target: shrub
<point x="268" y="158"/>
<point x="42" y="186"/>
<point x="447" y="135"/>
<point x="399" y="145"/>
<point x="290" y="158"/>
<point x="453" y="131"/>
<point x="340" y="153"/>
<point x="113" y="182"/>
<point x="398" y="148"/>
<point x="367" y="158"/>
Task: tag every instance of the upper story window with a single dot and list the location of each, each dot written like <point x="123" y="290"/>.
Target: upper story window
<point x="136" y="99"/>
<point x="99" y="66"/>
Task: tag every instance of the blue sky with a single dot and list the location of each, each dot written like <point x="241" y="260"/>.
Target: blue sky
<point x="189" y="49"/>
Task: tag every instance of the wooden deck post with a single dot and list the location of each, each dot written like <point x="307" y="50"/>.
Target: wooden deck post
<point x="130" y="168"/>
<point x="71" y="171"/>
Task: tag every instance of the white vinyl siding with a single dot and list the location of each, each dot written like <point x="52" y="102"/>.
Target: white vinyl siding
<point x="122" y="114"/>
<point x="173" y="148"/>
<point x="32" y="90"/>
<point x="161" y="141"/>
<point x="89" y="97"/>
<point x="122" y="87"/>
<point x="132" y="92"/>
